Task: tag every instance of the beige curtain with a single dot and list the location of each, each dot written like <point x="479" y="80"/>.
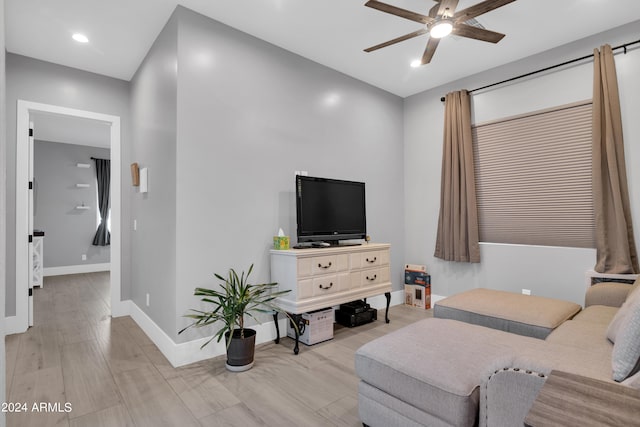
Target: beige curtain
<point x="457" y="238"/>
<point x="614" y="232"/>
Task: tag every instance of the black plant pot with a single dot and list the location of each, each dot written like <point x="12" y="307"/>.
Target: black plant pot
<point x="240" y="351"/>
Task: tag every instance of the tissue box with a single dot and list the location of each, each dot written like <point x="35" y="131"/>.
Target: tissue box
<point x="280" y="242"/>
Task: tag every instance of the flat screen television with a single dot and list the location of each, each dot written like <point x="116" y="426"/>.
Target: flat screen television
<point x="330" y="210"/>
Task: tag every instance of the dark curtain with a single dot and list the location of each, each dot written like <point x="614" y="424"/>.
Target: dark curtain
<point x="615" y="245"/>
<point x="103" y="174"/>
<point x="457" y="238"/>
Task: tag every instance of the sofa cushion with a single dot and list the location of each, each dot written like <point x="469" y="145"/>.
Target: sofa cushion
<point x="626" y="350"/>
<point x="532" y="316"/>
<point x="586" y="334"/>
<point x="633" y="381"/>
<point x="633" y="298"/>
<point x="600" y="314"/>
<point x="436" y="365"/>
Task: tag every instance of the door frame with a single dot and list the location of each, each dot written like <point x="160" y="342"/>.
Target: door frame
<point x="24" y="109"/>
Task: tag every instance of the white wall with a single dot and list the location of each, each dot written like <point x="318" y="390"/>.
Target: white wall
<point x="547" y="271"/>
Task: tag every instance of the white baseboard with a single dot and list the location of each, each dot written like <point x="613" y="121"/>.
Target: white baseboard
<point x="122" y="308"/>
<point x="435" y="299"/>
<point x="76" y="269"/>
<point x="180" y="354"/>
<point x="379" y="301"/>
<point x="13" y="326"/>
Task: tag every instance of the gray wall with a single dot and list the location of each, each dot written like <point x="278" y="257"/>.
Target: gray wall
<point x="249" y="115"/>
<point x="39" y="81"/>
<point x="153" y="108"/>
<point x="546" y="271"/>
<point x="222" y="120"/>
<point x="68" y="231"/>
<point x="3" y="205"/>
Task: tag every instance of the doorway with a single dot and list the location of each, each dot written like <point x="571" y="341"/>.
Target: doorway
<point x="24" y="187"/>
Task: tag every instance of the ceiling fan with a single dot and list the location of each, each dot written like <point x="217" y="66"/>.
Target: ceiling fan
<point x="441" y="21"/>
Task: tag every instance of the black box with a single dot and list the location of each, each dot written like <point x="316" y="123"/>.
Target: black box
<point x="345" y="318"/>
<point x="355" y="307"/>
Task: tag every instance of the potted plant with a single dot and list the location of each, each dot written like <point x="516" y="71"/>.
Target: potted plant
<point x="229" y="305"/>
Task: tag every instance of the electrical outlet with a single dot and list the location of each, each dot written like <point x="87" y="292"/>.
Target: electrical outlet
<point x="84" y="257"/>
<point x="147" y="300"/>
<point x="526" y="291"/>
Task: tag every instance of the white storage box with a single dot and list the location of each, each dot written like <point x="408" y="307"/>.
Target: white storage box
<point x="318" y="327"/>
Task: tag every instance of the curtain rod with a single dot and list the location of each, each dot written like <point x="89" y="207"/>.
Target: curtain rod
<point x="542" y="70"/>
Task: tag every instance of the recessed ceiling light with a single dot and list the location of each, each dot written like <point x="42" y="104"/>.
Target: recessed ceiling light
<point x="416" y="63"/>
<point x="80" y="38"/>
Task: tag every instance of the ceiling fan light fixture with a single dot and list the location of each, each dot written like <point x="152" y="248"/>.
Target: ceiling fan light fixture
<point x="441" y="29"/>
<point x="80" y="38"/>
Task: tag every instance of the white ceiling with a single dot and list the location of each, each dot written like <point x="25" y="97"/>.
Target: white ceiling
<point x="330" y="32"/>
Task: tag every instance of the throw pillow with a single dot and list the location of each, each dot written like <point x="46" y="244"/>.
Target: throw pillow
<point x="632" y="298"/>
<point x="625" y="359"/>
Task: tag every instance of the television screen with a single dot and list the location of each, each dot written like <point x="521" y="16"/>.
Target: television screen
<point x="330" y="209"/>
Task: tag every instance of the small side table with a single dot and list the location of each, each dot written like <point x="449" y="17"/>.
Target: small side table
<point x="567" y="400"/>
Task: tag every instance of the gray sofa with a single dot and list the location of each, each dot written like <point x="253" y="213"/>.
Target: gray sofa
<point x="443" y="372"/>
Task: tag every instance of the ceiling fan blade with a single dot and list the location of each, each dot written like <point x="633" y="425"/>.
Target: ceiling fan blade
<point x="448" y="7"/>
<point x="403" y="13"/>
<point x="433" y="12"/>
<point x="432" y="45"/>
<point x="479" y="9"/>
<point x="398" y="40"/>
<point x="464" y="30"/>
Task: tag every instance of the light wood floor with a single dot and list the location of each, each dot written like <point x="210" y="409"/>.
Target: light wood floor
<point x="113" y="375"/>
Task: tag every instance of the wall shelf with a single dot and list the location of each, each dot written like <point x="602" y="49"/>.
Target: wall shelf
<point x="83" y="207"/>
<point x="83" y="165"/>
<point x="83" y="185"/>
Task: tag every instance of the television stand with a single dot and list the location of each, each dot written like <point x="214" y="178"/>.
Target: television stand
<point x="318" y="278"/>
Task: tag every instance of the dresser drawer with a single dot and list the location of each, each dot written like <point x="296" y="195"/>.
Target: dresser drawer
<point x="326" y="285"/>
<point x="369" y="259"/>
<point x="374" y="276"/>
<point x="322" y="265"/>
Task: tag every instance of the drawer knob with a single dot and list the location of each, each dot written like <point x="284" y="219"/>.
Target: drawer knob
<point x="371" y="261"/>
<point x="371" y="279"/>
<point x="324" y="266"/>
<point x="326" y="287"/>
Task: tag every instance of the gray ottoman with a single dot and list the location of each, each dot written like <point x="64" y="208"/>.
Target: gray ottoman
<point x="417" y="375"/>
<point x="527" y="315"/>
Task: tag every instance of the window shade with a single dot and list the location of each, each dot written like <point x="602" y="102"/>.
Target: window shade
<point x="533" y="178"/>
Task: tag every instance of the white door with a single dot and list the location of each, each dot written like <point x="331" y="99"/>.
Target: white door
<point x="30" y="230"/>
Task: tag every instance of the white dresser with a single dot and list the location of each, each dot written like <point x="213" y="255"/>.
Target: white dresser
<point x="323" y="277"/>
